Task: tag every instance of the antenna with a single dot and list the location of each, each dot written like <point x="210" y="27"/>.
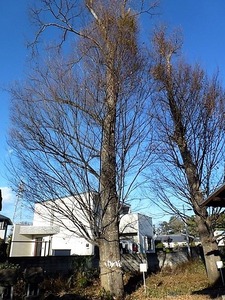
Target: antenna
<point x="17" y="216"/>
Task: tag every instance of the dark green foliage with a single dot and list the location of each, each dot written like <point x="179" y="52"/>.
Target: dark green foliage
<point x="83" y="271"/>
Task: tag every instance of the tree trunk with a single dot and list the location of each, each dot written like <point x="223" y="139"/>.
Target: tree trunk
<point x="210" y="250"/>
<point x="110" y="268"/>
<point x="110" y="264"/>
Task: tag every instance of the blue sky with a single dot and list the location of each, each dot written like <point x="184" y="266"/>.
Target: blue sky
<point x="202" y="23"/>
<point x="14" y="27"/>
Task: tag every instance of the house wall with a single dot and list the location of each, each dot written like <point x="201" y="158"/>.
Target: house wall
<point x="129" y="223"/>
<point x="139" y="228"/>
<point x="21" y="245"/>
<point x="145" y="231"/>
<point x="3" y="229"/>
<point x="2" y="234"/>
<point x="67" y="241"/>
<point x="62" y="243"/>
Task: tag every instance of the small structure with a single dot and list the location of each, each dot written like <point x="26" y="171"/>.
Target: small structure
<point x="8" y="277"/>
<point x="4" y="223"/>
<point x="216" y="199"/>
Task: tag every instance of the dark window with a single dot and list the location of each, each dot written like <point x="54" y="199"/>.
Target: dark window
<point x="61" y="252"/>
<point x="2" y="225"/>
<point x="38" y="246"/>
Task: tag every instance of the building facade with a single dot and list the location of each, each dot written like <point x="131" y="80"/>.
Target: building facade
<point x="54" y="233"/>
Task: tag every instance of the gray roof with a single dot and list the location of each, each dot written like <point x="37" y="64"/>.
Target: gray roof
<point x="4" y="218"/>
<point x="175" y="238"/>
<point x="217" y="198"/>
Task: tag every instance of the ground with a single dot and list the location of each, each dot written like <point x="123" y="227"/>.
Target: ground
<point x="187" y="282"/>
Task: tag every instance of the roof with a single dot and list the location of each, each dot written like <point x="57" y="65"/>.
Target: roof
<point x="4" y="218"/>
<point x="39" y="230"/>
<point x="175" y="238"/>
<point x="216" y="199"/>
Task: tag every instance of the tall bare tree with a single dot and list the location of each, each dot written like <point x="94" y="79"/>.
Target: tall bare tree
<point x="189" y="112"/>
<point x="79" y="121"/>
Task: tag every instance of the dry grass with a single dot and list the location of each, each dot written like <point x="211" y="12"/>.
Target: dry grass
<point x="187" y="282"/>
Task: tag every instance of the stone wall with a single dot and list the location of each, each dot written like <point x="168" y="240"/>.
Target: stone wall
<point x="130" y="262"/>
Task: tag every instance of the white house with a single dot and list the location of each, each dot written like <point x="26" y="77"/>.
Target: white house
<point x="136" y="233"/>
<point x="49" y="234"/>
<point x="4" y="222"/>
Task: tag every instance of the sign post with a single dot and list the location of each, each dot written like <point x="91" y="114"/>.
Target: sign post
<point x="143" y="268"/>
<point x="219" y="264"/>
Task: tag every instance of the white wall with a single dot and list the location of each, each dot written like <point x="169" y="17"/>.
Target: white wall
<point x="2" y="234"/>
<point x="21" y="245"/>
<point x="129" y="223"/>
<point x="139" y="227"/>
<point x="67" y="238"/>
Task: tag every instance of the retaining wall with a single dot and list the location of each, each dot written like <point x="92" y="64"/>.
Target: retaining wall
<point x="130" y="262"/>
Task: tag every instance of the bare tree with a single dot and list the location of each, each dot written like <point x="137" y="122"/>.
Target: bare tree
<point x="189" y="115"/>
<point x="79" y="121"/>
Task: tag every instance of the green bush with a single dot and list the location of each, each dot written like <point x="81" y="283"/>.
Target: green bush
<point x="82" y="272"/>
<point x="7" y="265"/>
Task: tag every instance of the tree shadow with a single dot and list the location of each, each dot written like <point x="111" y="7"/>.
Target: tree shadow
<point x="66" y="297"/>
<point x="215" y="291"/>
<point x="134" y="282"/>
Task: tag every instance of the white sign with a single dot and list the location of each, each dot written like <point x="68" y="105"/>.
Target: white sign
<point x="143" y="267"/>
<point x="219" y="264"/>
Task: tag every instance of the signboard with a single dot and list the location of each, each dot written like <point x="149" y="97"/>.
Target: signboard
<point x="219" y="264"/>
<point x="143" y="267"/>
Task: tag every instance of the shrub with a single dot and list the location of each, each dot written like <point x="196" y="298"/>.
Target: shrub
<point x="83" y="272"/>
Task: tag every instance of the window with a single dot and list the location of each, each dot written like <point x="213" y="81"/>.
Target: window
<point x="61" y="252"/>
<point x="148" y="243"/>
<point x="38" y="246"/>
<point x="2" y="225"/>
